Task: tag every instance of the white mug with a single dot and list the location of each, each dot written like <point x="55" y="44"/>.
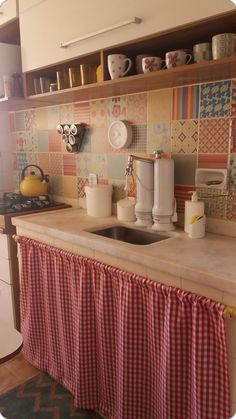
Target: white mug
<point x="223" y="45"/>
<point x="177" y="58"/>
<point x="118" y="65"/>
<point x="150" y="64"/>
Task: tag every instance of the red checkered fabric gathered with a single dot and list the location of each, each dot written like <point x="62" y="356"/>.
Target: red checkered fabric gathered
<point x="124" y="345"/>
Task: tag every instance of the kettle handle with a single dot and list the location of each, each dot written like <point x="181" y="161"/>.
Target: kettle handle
<point x="32" y="165"/>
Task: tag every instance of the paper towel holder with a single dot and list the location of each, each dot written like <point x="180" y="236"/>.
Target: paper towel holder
<point x="211" y="178"/>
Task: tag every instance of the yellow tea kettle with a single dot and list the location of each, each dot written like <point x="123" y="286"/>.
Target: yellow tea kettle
<point x="32" y="184"/>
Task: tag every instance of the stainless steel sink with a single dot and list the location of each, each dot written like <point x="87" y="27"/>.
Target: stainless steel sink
<point x="130" y="235"/>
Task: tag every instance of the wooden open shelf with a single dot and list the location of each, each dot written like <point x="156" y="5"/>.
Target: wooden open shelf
<point x="189" y="74"/>
<point x="157" y="44"/>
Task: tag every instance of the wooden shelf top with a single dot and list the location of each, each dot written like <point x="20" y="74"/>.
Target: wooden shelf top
<point x="208" y="71"/>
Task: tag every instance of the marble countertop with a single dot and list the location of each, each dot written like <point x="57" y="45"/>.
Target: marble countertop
<point x="210" y="260"/>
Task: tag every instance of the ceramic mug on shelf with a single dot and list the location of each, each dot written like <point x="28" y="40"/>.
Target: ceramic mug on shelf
<point x="118" y="65"/>
<point x="223" y="45"/>
<point x="150" y="64"/>
<point x="138" y="60"/>
<point x="177" y="58"/>
<point x="202" y="52"/>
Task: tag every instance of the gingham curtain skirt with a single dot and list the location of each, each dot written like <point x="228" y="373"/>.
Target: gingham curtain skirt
<point x="124" y="345"/>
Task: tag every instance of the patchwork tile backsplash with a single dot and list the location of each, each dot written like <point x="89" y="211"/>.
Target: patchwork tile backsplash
<point x="196" y="125"/>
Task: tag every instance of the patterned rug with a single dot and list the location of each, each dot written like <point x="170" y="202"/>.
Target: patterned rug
<point x="41" y="398"/>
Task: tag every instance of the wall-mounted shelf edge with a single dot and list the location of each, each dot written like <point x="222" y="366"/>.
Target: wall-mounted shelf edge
<point x="12" y="104"/>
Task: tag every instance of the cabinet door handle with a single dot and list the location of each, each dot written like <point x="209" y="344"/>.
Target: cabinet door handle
<point x="135" y="20"/>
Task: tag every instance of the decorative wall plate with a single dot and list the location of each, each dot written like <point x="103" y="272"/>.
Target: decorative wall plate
<point x="120" y="134"/>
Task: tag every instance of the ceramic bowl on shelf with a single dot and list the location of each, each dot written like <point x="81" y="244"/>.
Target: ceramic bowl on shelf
<point x="120" y="134"/>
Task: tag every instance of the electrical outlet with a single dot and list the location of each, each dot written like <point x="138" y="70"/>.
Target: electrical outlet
<point x="93" y="179"/>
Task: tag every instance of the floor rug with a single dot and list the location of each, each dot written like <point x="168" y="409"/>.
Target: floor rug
<point x="41" y="398"/>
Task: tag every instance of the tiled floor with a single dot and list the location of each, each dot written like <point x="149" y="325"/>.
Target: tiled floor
<point x="14" y="372"/>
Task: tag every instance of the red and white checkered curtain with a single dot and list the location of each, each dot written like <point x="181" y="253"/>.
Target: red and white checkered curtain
<point x="124" y="345"/>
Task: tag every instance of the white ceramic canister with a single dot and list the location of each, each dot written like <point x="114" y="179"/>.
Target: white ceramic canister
<point x="99" y="200"/>
<point x="125" y="209"/>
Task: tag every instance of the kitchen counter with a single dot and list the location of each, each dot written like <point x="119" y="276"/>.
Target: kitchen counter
<point x="209" y="261"/>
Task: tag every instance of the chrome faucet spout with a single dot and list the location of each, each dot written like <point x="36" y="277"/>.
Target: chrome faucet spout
<point x="131" y="158"/>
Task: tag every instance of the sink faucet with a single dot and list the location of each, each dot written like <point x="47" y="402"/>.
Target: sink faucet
<point x="131" y="158"/>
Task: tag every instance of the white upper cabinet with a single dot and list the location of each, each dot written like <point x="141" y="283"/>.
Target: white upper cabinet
<point x="8" y="11"/>
<point x="46" y="24"/>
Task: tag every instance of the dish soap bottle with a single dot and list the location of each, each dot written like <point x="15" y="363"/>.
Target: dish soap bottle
<point x="193" y="208"/>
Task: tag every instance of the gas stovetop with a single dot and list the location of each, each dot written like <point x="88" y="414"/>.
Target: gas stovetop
<point x="15" y="203"/>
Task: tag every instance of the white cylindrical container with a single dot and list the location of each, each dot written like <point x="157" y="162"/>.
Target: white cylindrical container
<point x="125" y="209"/>
<point x="144" y="192"/>
<point x="98" y="200"/>
<point x="192" y="208"/>
<point x="164" y="202"/>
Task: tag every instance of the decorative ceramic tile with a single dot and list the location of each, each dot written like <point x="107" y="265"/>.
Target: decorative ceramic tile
<point x="231" y="207"/>
<point x="70" y="189"/>
<point x="53" y="116"/>
<point x="54" y="141"/>
<point x="185" y="166"/>
<point x="233" y="135"/>
<point x="215" y="99"/>
<point x="139" y="139"/>
<point x="81" y="183"/>
<point x="100" y="166"/>
<point x="98" y="113"/>
<point x="69" y="164"/>
<point x="15" y="162"/>
<point x="42" y="141"/>
<point x="215" y="201"/>
<point x="41" y="116"/>
<point x="12" y="121"/>
<point x="214" y="135"/>
<point x="44" y="162"/>
<point x="16" y="180"/>
<point x="66" y="114"/>
<point x="86" y="143"/>
<point x="185" y="102"/>
<point x="131" y="187"/>
<point x="99" y="139"/>
<point x="116" y="164"/>
<point x="19" y="121"/>
<point x="158" y="137"/>
<point x="159" y="106"/>
<point x="184" y="136"/>
<point x="137" y="108"/>
<point x="56" y="163"/>
<point x="233" y="102"/>
<point x="32" y="158"/>
<point x="182" y="194"/>
<point x="21" y="161"/>
<point x="20" y="140"/>
<point x="56" y="185"/>
<point x="32" y="142"/>
<point x="116" y="109"/>
<point x="83" y="164"/>
<point x="213" y="161"/>
<point x="118" y="190"/>
<point x="30" y="120"/>
<point x="232" y="170"/>
<point x="82" y="113"/>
